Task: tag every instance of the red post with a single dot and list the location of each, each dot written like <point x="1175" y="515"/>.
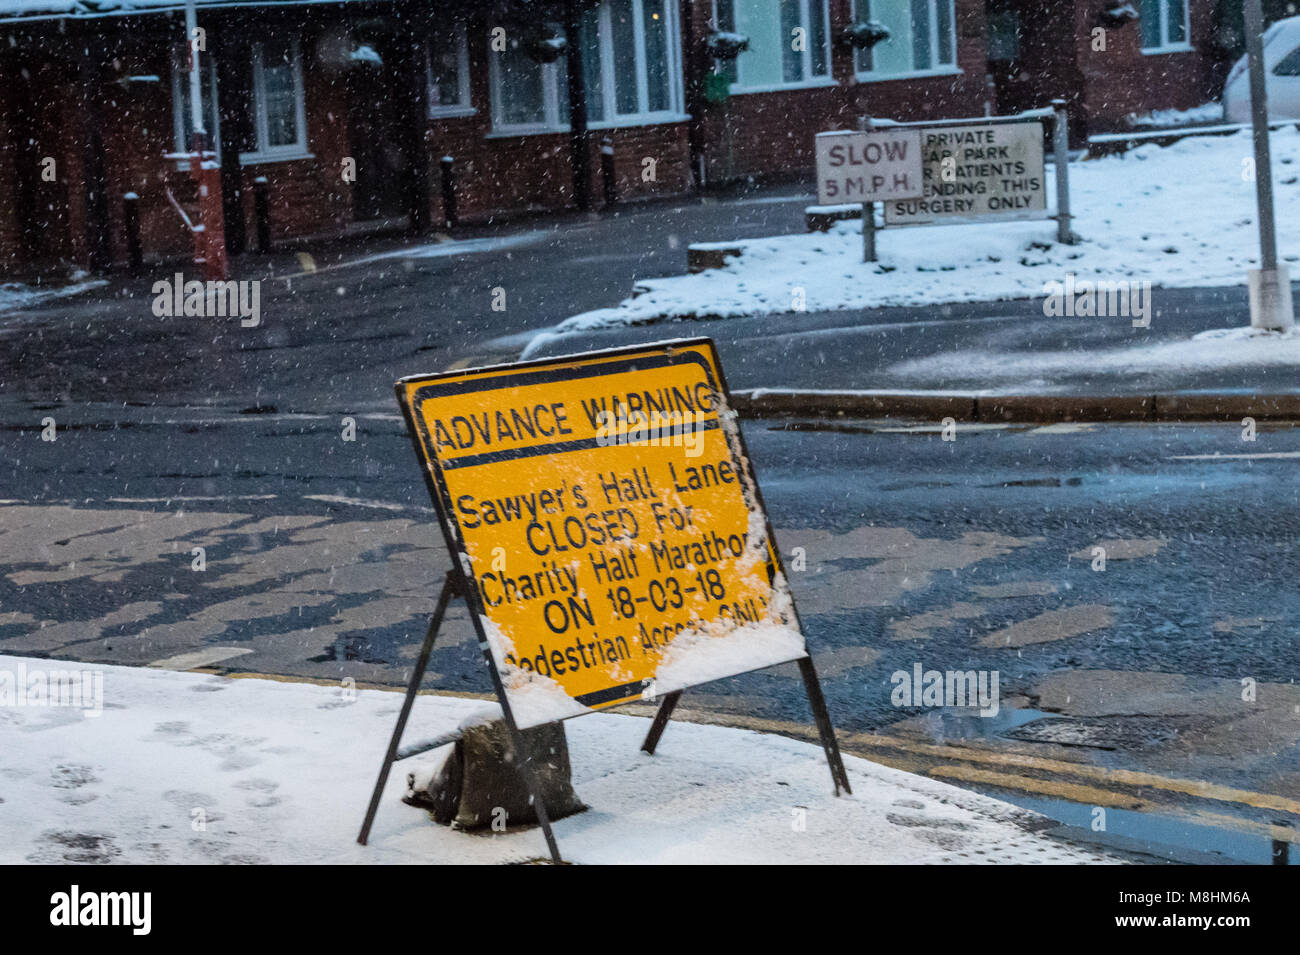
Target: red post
<point x="210" y="230"/>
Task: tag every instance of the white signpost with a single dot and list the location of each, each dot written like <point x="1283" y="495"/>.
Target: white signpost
<point x="869" y="167"/>
<point x="994" y="171"/>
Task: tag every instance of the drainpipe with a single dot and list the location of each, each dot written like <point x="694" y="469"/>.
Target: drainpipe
<point x="577" y="106"/>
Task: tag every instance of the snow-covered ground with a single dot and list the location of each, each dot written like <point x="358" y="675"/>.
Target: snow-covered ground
<point x="1183" y="215"/>
<point x="1204" y="115"/>
<point x="1039" y="370"/>
<point x="15" y="296"/>
<point x="188" y="768"/>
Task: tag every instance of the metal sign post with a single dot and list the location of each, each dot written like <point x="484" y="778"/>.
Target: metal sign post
<point x="1270" y="286"/>
<point x="1061" y="150"/>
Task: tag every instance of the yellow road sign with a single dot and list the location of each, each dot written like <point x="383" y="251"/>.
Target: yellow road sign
<point x="608" y="523"/>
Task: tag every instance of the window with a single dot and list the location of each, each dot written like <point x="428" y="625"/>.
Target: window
<point x="182" y="117"/>
<point x="1289" y="65"/>
<point x="447" y="60"/>
<point x="1164" y="25"/>
<point x="788" y="43"/>
<point x="630" y="70"/>
<point x="279" y="116"/>
<point x="921" y="38"/>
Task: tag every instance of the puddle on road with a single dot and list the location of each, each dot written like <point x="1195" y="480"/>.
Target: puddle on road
<point x="1154" y="833"/>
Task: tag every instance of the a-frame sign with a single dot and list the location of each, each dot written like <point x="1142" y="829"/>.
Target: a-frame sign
<point x="608" y="535"/>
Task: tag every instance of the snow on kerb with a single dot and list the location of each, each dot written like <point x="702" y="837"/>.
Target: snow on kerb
<point x="23" y="10"/>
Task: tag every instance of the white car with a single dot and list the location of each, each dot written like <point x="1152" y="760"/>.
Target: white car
<point x="1282" y="83"/>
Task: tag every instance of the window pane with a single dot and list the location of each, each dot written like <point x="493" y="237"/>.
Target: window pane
<point x="893" y="56"/>
<point x="762" y="63"/>
<point x="520" y="87"/>
<point x="921" y="54"/>
<point x="817" y="35"/>
<point x="863" y="61"/>
<point x="280" y="93"/>
<point x="944" y="10"/>
<point x="791" y="27"/>
<point x="593" y="76"/>
<point x="658" y="78"/>
<point x="623" y="30"/>
<point x="1289" y="65"/>
<point x="444" y="69"/>
<point x="1150" y="13"/>
<point x="727" y="24"/>
<point x="1177" y="31"/>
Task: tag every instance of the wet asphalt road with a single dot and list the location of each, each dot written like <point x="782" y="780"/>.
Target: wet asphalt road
<point x="322" y="558"/>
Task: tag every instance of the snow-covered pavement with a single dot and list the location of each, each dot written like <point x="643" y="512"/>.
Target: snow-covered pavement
<point x="14" y="295"/>
<point x="190" y="768"/>
<point x="1181" y="216"/>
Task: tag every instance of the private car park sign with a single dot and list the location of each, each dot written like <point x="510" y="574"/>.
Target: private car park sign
<point x="977" y="172"/>
<point x="607" y="531"/>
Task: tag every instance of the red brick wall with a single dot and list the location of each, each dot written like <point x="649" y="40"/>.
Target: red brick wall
<point x="501" y="175"/>
<point x="54" y="115"/>
<point x="1124" y="80"/>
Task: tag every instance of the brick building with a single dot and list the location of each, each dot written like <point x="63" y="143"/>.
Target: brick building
<point x="346" y="108"/>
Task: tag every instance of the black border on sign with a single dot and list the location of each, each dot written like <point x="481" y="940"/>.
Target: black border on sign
<point x="647" y="359"/>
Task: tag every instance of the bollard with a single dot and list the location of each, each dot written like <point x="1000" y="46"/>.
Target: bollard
<point x="1061" y="148"/>
<point x="448" y="190"/>
<point x="262" y="213"/>
<point x="607" y="171"/>
<point x="131" y="222"/>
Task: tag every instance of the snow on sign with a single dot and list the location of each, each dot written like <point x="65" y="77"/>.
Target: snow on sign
<point x="978" y="172"/>
<point x="868" y="166"/>
<point x="608" y="525"/>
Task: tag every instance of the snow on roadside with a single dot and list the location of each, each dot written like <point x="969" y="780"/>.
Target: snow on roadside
<point x="189" y="768"/>
<point x="1179" y="216"/>
<point x="14" y="296"/>
<point x="1217" y="349"/>
<point x="1203" y="115"/>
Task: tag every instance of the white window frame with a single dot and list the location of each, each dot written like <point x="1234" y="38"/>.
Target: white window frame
<point x="810" y="81"/>
<point x="940" y="69"/>
<point x="180" y="75"/>
<point x="462" y="106"/>
<point x="295" y="150"/>
<point x="556" y="113"/>
<point x="1181" y="46"/>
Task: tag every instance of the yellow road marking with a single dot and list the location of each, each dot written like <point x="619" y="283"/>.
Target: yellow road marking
<point x="458" y="364"/>
<point x="1126" y="777"/>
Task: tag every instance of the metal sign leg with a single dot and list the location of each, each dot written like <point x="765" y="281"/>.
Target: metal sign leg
<point x="827" y="732"/>
<point x="524" y="760"/>
<point x="813" y="687"/>
<point x="450" y="588"/>
<point x="660" y="721"/>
